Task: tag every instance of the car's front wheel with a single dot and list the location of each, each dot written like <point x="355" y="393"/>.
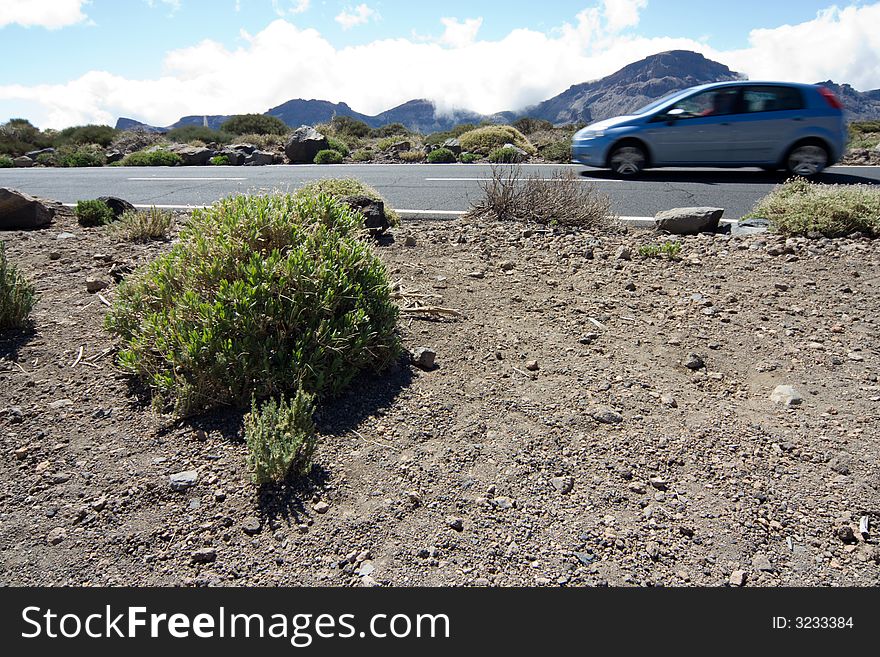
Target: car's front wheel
<point x="627" y="160"/>
<point x="807" y="159"/>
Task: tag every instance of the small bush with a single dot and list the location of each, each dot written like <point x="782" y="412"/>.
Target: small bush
<point x="89" y="155"/>
<point x="328" y="157"/>
<point x="103" y="135"/>
<point x="219" y="161"/>
<point x="386" y="143"/>
<point x="280" y="438"/>
<point x="563" y="199"/>
<point x="346" y="126"/>
<point x="412" y="157"/>
<point x="527" y="125"/>
<point x="670" y="249"/>
<point x="441" y="156"/>
<point x="506" y="155"/>
<point x="362" y="155"/>
<point x="342" y="187"/>
<point x="484" y="140"/>
<point x="391" y="130"/>
<point x="143" y="226"/>
<point x="93" y="213"/>
<point x="261" y="124"/>
<point x="800" y="207"/>
<point x="338" y="145"/>
<point x="468" y="158"/>
<point x="47" y="160"/>
<point x="262" y="295"/>
<point x="17" y="296"/>
<point x="156" y="158"/>
<point x="557" y="151"/>
<point x="6" y="162"/>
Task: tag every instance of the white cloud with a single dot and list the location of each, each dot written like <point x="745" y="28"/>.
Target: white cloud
<point x="289" y="7"/>
<point x="349" y="18"/>
<point x="173" y="5"/>
<point x="284" y="61"/>
<point x="460" y="33"/>
<point x="51" y="14"/>
<point x="621" y="14"/>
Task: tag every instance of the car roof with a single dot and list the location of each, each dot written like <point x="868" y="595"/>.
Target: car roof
<point x="751" y="83"/>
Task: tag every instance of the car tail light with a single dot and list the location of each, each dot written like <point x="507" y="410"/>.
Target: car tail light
<point x="830" y="98"/>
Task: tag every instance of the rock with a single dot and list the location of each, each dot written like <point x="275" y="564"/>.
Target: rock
<point x="19" y="211"/>
<point x="659" y="483"/>
<point x="606" y="416"/>
<point x="181" y="481"/>
<point x="623" y="253"/>
<point x="423" y="358"/>
<point x="193" y="156"/>
<point x="453" y="145"/>
<point x="668" y="400"/>
<point x="22" y="162"/>
<point x="507" y="265"/>
<point x="589" y="338"/>
<point x="737" y="578"/>
<point x="563" y="484"/>
<point x="694" y="362"/>
<point x="455" y="523"/>
<point x="372" y="210"/>
<point x="259" y="159"/>
<point x="65" y="236"/>
<point x="761" y="562"/>
<point x="688" y="221"/>
<point x="532" y="365"/>
<point x="321" y="507"/>
<point x="114" y="156"/>
<point x="96" y="285"/>
<point x="251" y="526"/>
<point x="60" y="403"/>
<point x="846" y="534"/>
<point x="244" y="149"/>
<point x="204" y="555"/>
<point x="519" y="154"/>
<point x="786" y="395"/>
<point x="43" y="151"/>
<point x="400" y="146"/>
<point x="304" y="144"/>
<point x="652" y="549"/>
<point x="502" y="502"/>
<point x="409" y="240"/>
<point x="366" y="570"/>
<point x="55" y="536"/>
<point x="236" y="158"/>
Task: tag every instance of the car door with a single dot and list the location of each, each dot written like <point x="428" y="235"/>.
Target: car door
<point x="772" y="115"/>
<point x="698" y="130"/>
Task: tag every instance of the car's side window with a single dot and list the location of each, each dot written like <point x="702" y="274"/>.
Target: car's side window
<point x="715" y="102"/>
<point x="771" y="99"/>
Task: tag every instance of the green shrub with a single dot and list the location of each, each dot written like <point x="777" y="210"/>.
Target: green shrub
<point x="19" y="136"/>
<point x="386" y="143"/>
<point x="484" y="140"/>
<point x="87" y="155"/>
<point x="263" y="142"/>
<point x="362" y="155"/>
<point x="102" y="135"/>
<point x="47" y="159"/>
<point x="219" y="161"/>
<point x="260" y="124"/>
<point x="328" y="157"/>
<point x="190" y="133"/>
<point x="93" y="213"/>
<point x="412" y="156"/>
<point x="17" y="296"/>
<point x="346" y="126"/>
<point x="506" y="155"/>
<point x="280" y="438"/>
<point x="527" y="125"/>
<point x="156" y="158"/>
<point x="262" y="295"/>
<point x="342" y="187"/>
<point x="391" y="130"/>
<point x="144" y="225"/>
<point x="799" y="207"/>
<point x="441" y="156"/>
<point x="670" y="249"/>
<point x="6" y="162"/>
<point x="338" y="145"/>
<point x="468" y="158"/>
<point x="557" y="151"/>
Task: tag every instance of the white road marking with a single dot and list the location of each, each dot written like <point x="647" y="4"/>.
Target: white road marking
<point x="185" y="179"/>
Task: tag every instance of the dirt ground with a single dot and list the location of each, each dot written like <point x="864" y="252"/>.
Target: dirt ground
<point x="562" y="439"/>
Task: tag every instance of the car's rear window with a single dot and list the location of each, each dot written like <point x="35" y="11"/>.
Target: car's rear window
<point x="772" y="99"/>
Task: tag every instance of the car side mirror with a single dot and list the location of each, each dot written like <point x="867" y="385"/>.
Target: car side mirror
<point x="674" y="114"/>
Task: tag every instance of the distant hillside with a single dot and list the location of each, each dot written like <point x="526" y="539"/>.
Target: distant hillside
<point x="631" y="87"/>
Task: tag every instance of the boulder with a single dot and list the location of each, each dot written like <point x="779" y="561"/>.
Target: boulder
<point x="235" y="158"/>
<point x="246" y="149"/>
<point x="259" y="159"/>
<point x="23" y="161"/>
<point x="114" y="156"/>
<point x="193" y="156"/>
<point x="373" y="211"/>
<point x="521" y="155"/>
<point x="19" y="211"/>
<point x="453" y="145"/>
<point x="304" y="144"/>
<point x="688" y="221"/>
<point x="43" y="151"/>
<point x="401" y="146"/>
<point x="117" y="205"/>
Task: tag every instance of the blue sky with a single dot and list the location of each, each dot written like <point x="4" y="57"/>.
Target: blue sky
<point x="156" y="60"/>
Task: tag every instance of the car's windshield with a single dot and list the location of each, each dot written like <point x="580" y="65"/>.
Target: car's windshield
<point x="655" y="104"/>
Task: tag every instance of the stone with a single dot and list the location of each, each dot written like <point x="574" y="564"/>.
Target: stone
<point x="304" y="144"/>
<point x="688" y="221"/>
<point x="503" y="502"/>
<point x="321" y="507"/>
<point x="259" y="159"/>
<point x="373" y="211"/>
<point x="235" y="158"/>
<point x="18" y="211"/>
<point x="761" y="562"/>
<point x="563" y="484"/>
<point x="846" y="534"/>
<point x="453" y="145"/>
<point x="606" y="416"/>
<point x="423" y="358"/>
<point x="786" y="395"/>
<point x="96" y="285"/>
<point x="43" y="151"/>
<point x="455" y="523"/>
<point x="623" y="253"/>
<point x="204" y="555"/>
<point x="737" y="578"/>
<point x="193" y="156"/>
<point x="694" y="362"/>
<point x="532" y="365"/>
<point x="60" y="403"/>
<point x="181" y="481"/>
<point x="659" y="483"/>
<point x="409" y="240"/>
<point x="22" y="162"/>
<point x="55" y="536"/>
<point x="668" y="400"/>
<point x="251" y="526"/>
<point x="519" y="155"/>
<point x="366" y="570"/>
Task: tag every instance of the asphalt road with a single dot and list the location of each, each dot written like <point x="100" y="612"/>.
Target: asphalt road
<point x="419" y="187"/>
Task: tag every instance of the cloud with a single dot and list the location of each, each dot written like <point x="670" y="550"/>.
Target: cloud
<point x="51" y="14"/>
<point x="621" y="14"/>
<point x="289" y="7"/>
<point x="460" y="34"/>
<point x="285" y="61"/>
<point x="349" y="18"/>
<point x="173" y="5"/>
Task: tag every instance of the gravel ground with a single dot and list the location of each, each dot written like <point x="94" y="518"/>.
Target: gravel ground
<point x="591" y="420"/>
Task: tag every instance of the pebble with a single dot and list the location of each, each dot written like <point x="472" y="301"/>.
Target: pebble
<point x="606" y="416"/>
<point x="563" y="484"/>
<point x="96" y="284"/>
<point x="737" y="578"/>
<point x="694" y="362"/>
<point x="786" y="395"/>
<point x="668" y="400"/>
<point x="181" y="481"/>
<point x="251" y="525"/>
<point x="623" y="253"/>
<point x="321" y="507"/>
<point x="532" y="366"/>
<point x="761" y="562"/>
<point x="61" y="403"/>
<point x="455" y="523"/>
<point x="423" y="357"/>
<point x="409" y="240"/>
<point x="56" y="536"/>
<point x="204" y="555"/>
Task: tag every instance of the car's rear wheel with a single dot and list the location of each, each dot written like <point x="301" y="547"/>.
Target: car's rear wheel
<point x="628" y="160"/>
<point x="807" y="159"/>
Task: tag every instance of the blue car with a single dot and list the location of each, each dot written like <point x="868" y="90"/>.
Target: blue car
<point x="772" y="125"/>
